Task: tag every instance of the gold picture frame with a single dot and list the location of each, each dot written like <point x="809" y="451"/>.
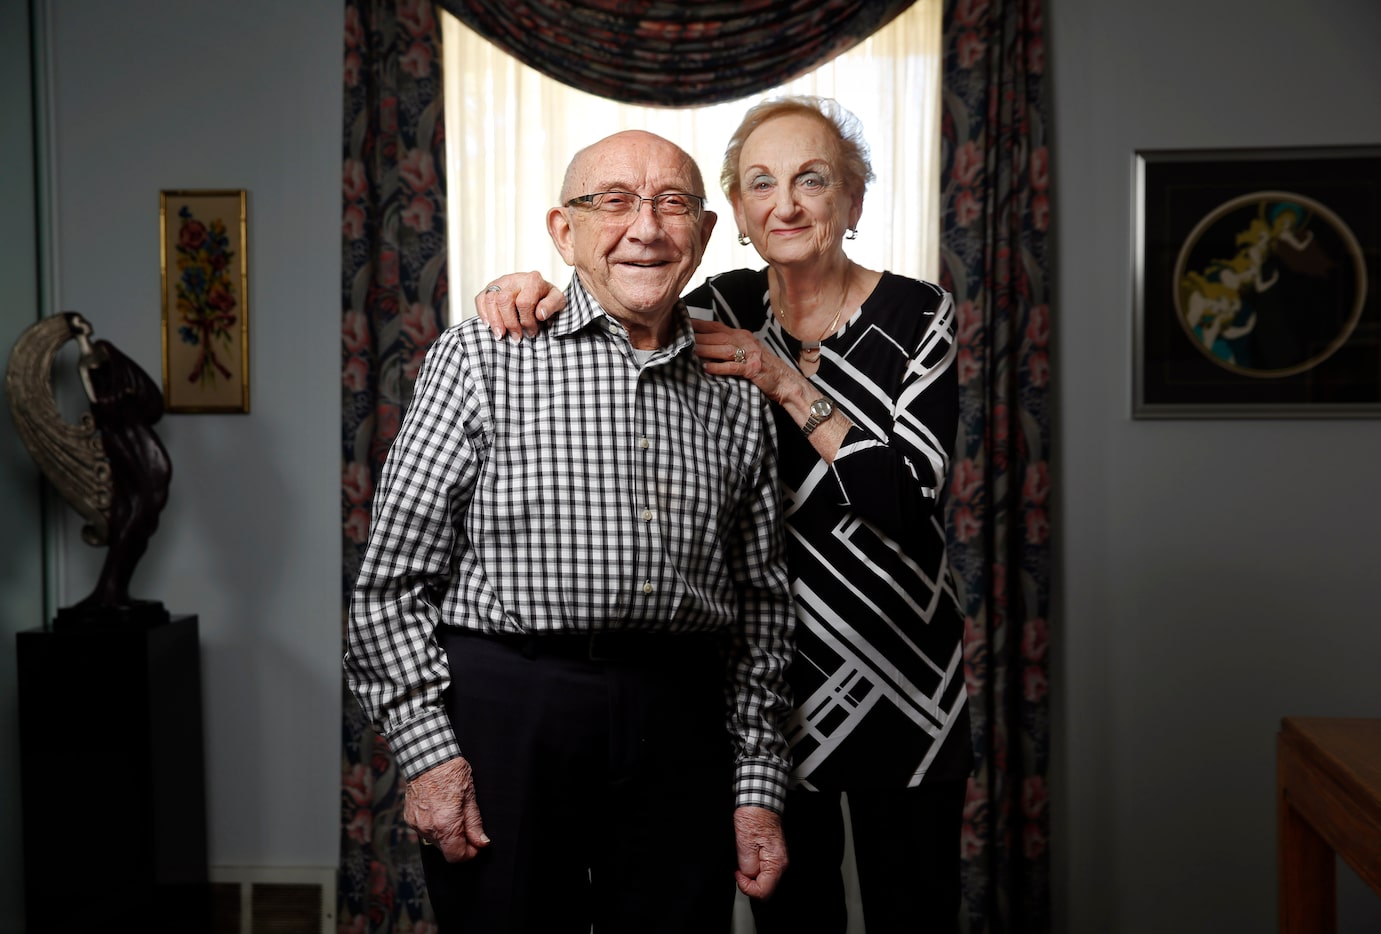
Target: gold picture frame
<point x="204" y="265"/>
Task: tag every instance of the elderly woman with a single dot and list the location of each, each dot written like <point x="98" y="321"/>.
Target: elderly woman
<point x="861" y="366"/>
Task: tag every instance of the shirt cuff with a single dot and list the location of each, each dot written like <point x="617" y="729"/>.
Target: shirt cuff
<point x="760" y="783"/>
<point x="423" y="743"/>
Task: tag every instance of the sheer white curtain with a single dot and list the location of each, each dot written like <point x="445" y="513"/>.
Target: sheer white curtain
<point x="511" y="130"/>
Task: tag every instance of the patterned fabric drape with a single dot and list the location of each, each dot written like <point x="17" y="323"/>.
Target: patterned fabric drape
<point x="670" y="53"/>
<point x="393" y="293"/>
<point x="995" y="259"/>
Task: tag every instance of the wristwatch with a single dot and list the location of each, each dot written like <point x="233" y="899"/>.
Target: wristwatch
<point x="820" y="410"/>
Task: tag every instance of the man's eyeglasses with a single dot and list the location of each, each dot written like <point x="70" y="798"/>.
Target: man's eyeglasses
<point x="626" y="204"/>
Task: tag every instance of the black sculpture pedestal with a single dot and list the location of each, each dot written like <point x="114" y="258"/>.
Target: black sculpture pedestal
<point x="113" y="776"/>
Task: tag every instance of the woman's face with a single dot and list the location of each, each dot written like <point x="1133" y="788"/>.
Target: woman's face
<point x="793" y="203"/>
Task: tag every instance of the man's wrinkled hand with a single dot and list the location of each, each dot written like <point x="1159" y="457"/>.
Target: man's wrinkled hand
<point x="440" y="805"/>
<point x="761" y="851"/>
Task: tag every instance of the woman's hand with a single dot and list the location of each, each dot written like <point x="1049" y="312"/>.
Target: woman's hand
<point x="512" y="305"/>
<point x="719" y="346"/>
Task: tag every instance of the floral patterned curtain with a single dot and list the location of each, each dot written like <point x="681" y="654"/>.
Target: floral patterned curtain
<point x="393" y="295"/>
<point x="995" y="259"/>
<point x="670" y="53"/>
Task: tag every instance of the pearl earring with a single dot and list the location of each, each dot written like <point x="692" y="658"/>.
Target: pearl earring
<point x="851" y="234"/>
<point x="743" y="239"/>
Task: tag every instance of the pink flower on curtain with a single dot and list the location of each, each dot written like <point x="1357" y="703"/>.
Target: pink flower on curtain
<point x="997" y="580"/>
<point x="357" y="483"/>
<point x="1038" y="325"/>
<point x="1033" y="796"/>
<point x="416" y="16"/>
<point x="388" y="268"/>
<point x="419" y="324"/>
<point x="353" y="64"/>
<point x="357" y="526"/>
<point x="418" y="214"/>
<point x="356" y="185"/>
<point x="418" y="60"/>
<point x="379" y="887"/>
<point x="1035" y="55"/>
<point x="360" y="824"/>
<point x="352" y="225"/>
<point x="386" y="421"/>
<point x="970" y="12"/>
<point x="975" y="656"/>
<point x="355" y="374"/>
<point x="354" y="32"/>
<point x="971" y="49"/>
<point x="974" y="834"/>
<point x="966" y="480"/>
<point x="969" y="367"/>
<point x="968" y="164"/>
<point x="355" y="332"/>
<point x="418" y="169"/>
<point x="1040" y="168"/>
<point x="966" y="208"/>
<point x="1034" y="639"/>
<point x="1037" y="485"/>
<point x="966" y="524"/>
<point x="970" y="322"/>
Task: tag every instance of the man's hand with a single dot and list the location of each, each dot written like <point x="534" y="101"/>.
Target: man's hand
<point x="761" y="851"/>
<point x="522" y="300"/>
<point x="440" y="805"/>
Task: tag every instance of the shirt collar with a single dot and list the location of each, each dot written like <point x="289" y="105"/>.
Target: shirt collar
<point x="582" y="311"/>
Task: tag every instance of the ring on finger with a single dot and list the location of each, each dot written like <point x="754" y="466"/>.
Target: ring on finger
<point x="493" y="288"/>
<point x="739" y="355"/>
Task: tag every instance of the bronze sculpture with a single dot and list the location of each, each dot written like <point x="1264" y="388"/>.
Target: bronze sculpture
<point x="110" y="467"/>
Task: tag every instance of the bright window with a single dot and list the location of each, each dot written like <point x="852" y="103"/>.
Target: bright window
<point x="511" y="131"/>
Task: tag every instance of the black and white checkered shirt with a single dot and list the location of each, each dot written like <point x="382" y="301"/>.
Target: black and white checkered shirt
<point x="558" y="485"/>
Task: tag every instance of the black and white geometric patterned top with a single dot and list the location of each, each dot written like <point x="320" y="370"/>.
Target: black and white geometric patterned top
<point x="878" y="680"/>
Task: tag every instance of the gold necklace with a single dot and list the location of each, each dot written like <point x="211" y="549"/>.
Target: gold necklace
<point x="810" y="350"/>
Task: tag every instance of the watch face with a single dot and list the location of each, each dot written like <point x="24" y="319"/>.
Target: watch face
<point x="821" y="408"/>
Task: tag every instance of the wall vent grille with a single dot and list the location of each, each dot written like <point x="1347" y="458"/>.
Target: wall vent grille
<point x="273" y="900"/>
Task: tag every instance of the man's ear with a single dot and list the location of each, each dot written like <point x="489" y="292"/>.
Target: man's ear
<point x="559" y="227"/>
<point x="707" y="222"/>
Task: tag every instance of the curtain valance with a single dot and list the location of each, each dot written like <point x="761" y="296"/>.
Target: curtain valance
<point x="674" y="54"/>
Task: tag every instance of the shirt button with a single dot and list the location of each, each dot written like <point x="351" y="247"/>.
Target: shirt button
<point x="644" y="443"/>
<point x="647" y="515"/>
<point x="647" y="587"/>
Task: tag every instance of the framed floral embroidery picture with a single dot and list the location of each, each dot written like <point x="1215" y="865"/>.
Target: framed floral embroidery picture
<point x="1256" y="283"/>
<point x="205" y="275"/>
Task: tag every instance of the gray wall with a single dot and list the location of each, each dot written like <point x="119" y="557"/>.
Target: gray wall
<point x="21" y="542"/>
<point x="149" y="95"/>
<point x="1213" y="576"/>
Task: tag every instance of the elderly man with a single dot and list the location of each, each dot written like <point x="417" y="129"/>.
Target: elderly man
<point x="572" y="621"/>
